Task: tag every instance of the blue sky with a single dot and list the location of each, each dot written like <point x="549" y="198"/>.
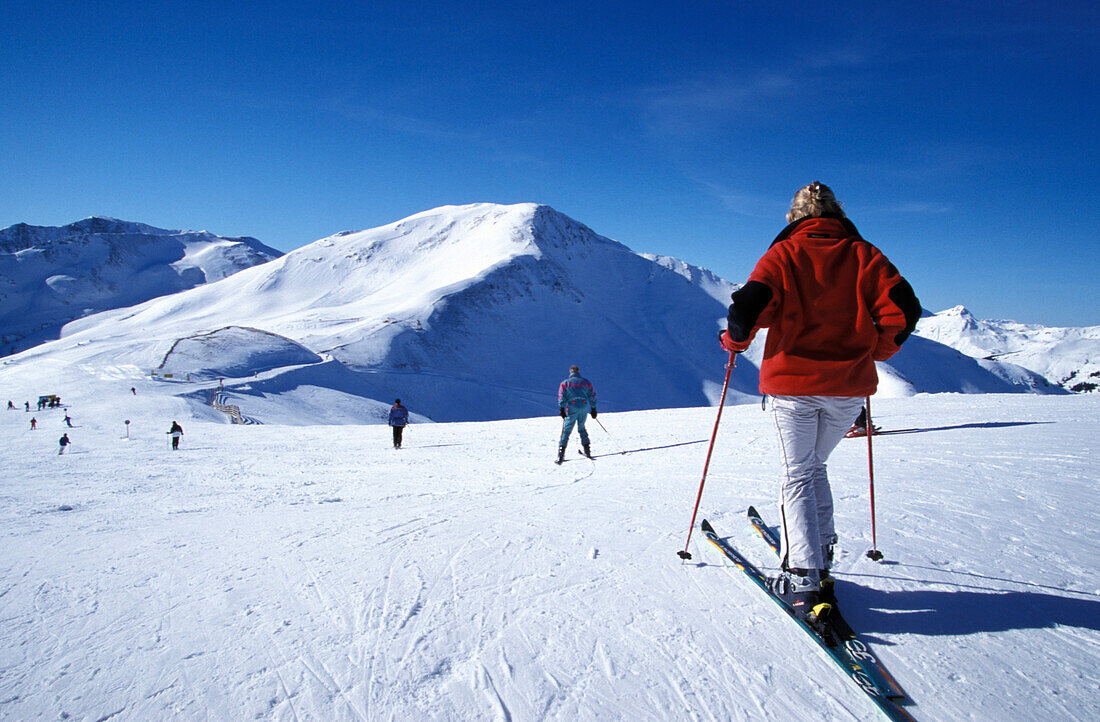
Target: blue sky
<point x="962" y="138"/>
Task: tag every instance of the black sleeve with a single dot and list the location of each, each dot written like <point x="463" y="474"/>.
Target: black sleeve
<point x="749" y="302"/>
<point x="902" y="294"/>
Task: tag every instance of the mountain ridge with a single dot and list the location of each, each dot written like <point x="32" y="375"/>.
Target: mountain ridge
<point x="1067" y="356"/>
<point x="475" y="312"/>
<point x="52" y="275"/>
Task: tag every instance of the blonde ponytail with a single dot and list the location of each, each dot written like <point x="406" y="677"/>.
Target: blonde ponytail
<point x="814" y="200"/>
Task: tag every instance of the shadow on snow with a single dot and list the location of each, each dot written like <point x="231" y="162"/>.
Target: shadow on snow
<point x="976" y="425"/>
<point x="649" y="448"/>
<point x="961" y="611"/>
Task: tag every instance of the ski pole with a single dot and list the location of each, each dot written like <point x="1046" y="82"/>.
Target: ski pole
<point x="685" y="554"/>
<point x="874" y="554"/>
<point x="616" y="443"/>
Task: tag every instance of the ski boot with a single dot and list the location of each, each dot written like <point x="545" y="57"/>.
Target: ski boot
<point x="802" y="593"/>
<point x="858" y="432"/>
<point x="828" y="588"/>
<point x="561" y="455"/>
<point x="587" y="450"/>
<point x="828" y="584"/>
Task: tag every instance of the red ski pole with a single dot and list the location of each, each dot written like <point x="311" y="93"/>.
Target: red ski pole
<point x="725" y="385"/>
<point x="874" y="553"/>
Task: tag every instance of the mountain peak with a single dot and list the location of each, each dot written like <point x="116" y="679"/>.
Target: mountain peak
<point x="959" y="311"/>
<point x="474" y="237"/>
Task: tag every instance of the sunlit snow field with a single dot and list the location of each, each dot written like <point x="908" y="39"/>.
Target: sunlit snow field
<point x="312" y="572"/>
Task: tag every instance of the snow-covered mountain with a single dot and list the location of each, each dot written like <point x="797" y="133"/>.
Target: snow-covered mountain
<point x="471" y="312"/>
<point x="468" y="313"/>
<point x="1069" y="357"/>
<point x="50" y="275"/>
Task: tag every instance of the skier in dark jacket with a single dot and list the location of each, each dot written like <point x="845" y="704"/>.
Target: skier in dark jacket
<point x="62" y="443"/>
<point x="175" y="432"/>
<point x="399" y="419"/>
<point x="833" y="305"/>
<point x="576" y="398"/>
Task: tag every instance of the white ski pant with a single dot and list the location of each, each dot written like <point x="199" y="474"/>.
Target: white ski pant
<point x="809" y="428"/>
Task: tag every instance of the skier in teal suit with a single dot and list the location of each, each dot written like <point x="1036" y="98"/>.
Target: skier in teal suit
<point x="576" y="397"/>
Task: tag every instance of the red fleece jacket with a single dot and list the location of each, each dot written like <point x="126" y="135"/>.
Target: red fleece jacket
<point x="831" y="315"/>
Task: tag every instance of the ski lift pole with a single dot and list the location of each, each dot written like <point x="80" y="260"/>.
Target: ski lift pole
<point x="874" y="554"/>
<point x="685" y="554"/>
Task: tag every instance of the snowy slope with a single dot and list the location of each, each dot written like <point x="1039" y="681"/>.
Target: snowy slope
<point x="233" y="351"/>
<point x="475" y="313"/>
<point x="279" y="572"/>
<point x="51" y="275"/>
<point x="1067" y="356"/>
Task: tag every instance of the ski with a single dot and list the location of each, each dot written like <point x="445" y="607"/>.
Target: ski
<point x="900" y="431"/>
<point x="856" y="648"/>
<point x="880" y="432"/>
<point x="824" y="636"/>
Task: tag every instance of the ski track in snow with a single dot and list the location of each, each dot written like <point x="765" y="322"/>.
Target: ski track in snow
<point x="300" y="573"/>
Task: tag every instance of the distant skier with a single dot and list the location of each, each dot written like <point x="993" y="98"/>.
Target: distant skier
<point x="576" y="398"/>
<point x="833" y="304"/>
<point x="68" y="420"/>
<point x="11" y="406"/>
<point x="133" y="391"/>
<point x="175" y="432"/>
<point x="399" y="419"/>
<point x="63" y="442"/>
<point x="34" y="423"/>
<point x="27" y="406"/>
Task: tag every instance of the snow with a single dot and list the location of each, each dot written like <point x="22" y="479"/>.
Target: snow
<point x="234" y="351"/>
<point x="299" y="568"/>
<point x="312" y="572"/>
<point x="51" y="275"/>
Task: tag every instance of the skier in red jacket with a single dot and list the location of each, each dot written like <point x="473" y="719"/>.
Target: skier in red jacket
<point x="833" y="304"/>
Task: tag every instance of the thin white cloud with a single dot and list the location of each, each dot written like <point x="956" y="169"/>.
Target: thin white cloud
<point x="751" y="205"/>
<point x="700" y="102"/>
<point x="380" y="116"/>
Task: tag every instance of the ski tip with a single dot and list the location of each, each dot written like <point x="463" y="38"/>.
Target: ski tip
<point x="705" y="526"/>
<point x="753" y="512"/>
